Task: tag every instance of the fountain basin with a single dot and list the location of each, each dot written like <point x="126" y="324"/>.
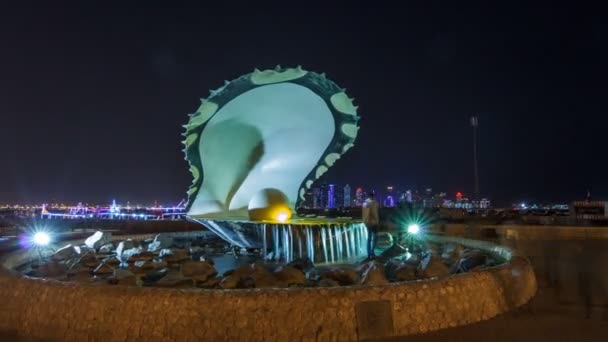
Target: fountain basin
<point x="321" y="240"/>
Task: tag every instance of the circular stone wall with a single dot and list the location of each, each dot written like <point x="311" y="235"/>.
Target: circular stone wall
<point x="37" y="308"/>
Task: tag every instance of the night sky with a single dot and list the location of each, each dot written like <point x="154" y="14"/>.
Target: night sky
<point x="92" y="99"/>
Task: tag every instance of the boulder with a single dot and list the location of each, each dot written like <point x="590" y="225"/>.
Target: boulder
<point x="98" y="239"/>
<point x="161" y="241"/>
<point x="432" y="266"/>
<point x="470" y="260"/>
<point x="176" y="256"/>
<point x="174" y="279"/>
<point x="142" y="256"/>
<point x="344" y="277"/>
<point x="230" y="281"/>
<point x="326" y="282"/>
<point x="144" y="264"/>
<point x="89" y="260"/>
<point x="303" y="264"/>
<point x="290" y="276"/>
<point x="126" y="249"/>
<point x="210" y="283"/>
<point x="199" y="271"/>
<point x="373" y="274"/>
<point x="394" y="251"/>
<point x="103" y="269"/>
<point x="452" y="251"/>
<point x="107" y="248"/>
<point x="51" y="269"/>
<point x="155" y="275"/>
<point x="122" y="276"/>
<point x="197" y="253"/>
<point x="398" y="270"/>
<point x="384" y="240"/>
<point x="65" y="253"/>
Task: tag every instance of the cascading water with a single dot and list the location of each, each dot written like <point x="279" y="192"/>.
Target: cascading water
<point x="330" y="243"/>
<point x="321" y="242"/>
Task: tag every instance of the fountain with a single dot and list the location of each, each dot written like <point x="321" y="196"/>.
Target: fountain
<point x="255" y="146"/>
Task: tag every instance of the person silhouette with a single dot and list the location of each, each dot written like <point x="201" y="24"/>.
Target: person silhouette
<point x="371" y="220"/>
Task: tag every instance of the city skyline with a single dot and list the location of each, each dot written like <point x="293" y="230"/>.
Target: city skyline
<point x="92" y="108"/>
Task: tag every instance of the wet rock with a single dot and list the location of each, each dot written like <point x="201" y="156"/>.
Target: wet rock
<point x="397" y="270"/>
<point x="230" y="281"/>
<point x="384" y="240"/>
<point x="432" y="266"/>
<point x="121" y="274"/>
<point x="210" y="283"/>
<point x="395" y="250"/>
<point x="176" y="256"/>
<point x="161" y="241"/>
<point x="174" y="279"/>
<point x="303" y="264"/>
<point x="51" y="269"/>
<point x="199" y="271"/>
<point x="373" y="274"/>
<point x="126" y="249"/>
<point x="125" y="277"/>
<point x="452" y="251"/>
<point x="154" y="276"/>
<point x="88" y="260"/>
<point x="144" y="265"/>
<point x="108" y="248"/>
<point x="197" y="253"/>
<point x="431" y="248"/>
<point x="344" y="277"/>
<point x="103" y="269"/>
<point x="326" y="282"/>
<point x="290" y="276"/>
<point x="98" y="239"/>
<point x="111" y="261"/>
<point x="65" y="253"/>
<point x="470" y="260"/>
<point x="143" y="256"/>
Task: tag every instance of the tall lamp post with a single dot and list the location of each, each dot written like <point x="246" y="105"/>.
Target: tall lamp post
<point x="475" y="124"/>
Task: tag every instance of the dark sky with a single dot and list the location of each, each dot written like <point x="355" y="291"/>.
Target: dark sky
<point x="92" y="99"/>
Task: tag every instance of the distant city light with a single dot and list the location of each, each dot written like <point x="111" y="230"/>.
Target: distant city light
<point x="413" y="228"/>
<point x="41" y="238"/>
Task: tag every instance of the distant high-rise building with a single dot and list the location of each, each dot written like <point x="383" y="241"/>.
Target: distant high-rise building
<point x="389" y="199"/>
<point x="347" y="201"/>
<point x="331" y="196"/>
<point x="359" y="197"/>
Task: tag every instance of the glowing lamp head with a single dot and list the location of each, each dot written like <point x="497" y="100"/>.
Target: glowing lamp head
<point x="41" y="239"/>
<point x="413" y="229"/>
<point x="282" y="216"/>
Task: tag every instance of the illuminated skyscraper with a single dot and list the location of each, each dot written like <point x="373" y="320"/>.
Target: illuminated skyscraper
<point x="347" y="202"/>
<point x="331" y="196"/>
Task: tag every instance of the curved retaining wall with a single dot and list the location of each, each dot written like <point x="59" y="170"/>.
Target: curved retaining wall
<point x="74" y="312"/>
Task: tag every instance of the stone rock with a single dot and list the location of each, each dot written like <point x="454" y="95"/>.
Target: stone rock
<point x="432" y="266"/>
<point x="144" y="264"/>
<point x="267" y="280"/>
<point x="126" y="249"/>
<point x="176" y="256"/>
<point x="111" y="261"/>
<point x="199" y="271"/>
<point x="197" y="253"/>
<point x="65" y="253"/>
<point x="103" y="269"/>
<point x="51" y="269"/>
<point x="326" y="282"/>
<point x="230" y="281"/>
<point x="344" y="277"/>
<point x="395" y="250"/>
<point x="452" y="251"/>
<point x="210" y="283"/>
<point x="142" y="256"/>
<point x="161" y="241"/>
<point x="470" y="260"/>
<point x="121" y="273"/>
<point x="154" y="276"/>
<point x="398" y="270"/>
<point x="98" y="239"/>
<point x="384" y="240"/>
<point x="373" y="274"/>
<point x="303" y="264"/>
<point x="89" y="260"/>
<point x="122" y="276"/>
<point x="174" y="279"/>
<point x="290" y="276"/>
<point x="107" y="248"/>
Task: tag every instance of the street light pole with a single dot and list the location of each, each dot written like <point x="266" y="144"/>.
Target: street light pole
<point x="474" y="124"/>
